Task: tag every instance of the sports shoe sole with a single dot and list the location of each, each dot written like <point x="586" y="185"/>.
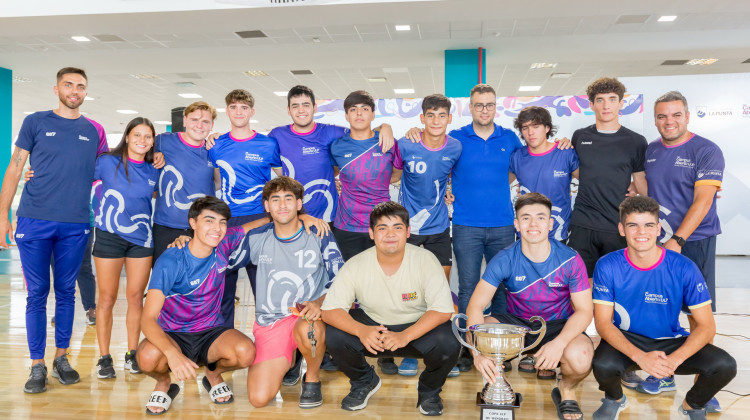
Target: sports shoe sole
<point x="427" y="413"/>
<point x="57" y="375"/>
<point x="409" y="372"/>
<point x="100" y="376"/>
<point x="310" y="404"/>
<point x="367" y="398"/>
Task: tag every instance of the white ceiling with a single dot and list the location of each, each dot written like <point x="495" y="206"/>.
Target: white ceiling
<point x="355" y="42"/>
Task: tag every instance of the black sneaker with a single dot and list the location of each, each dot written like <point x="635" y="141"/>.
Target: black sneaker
<point x="311" y="395"/>
<point x="131" y="363"/>
<point x="328" y="364"/>
<point x="104" y="368"/>
<point x="357" y="397"/>
<point x="37" y="379"/>
<point x="388" y="366"/>
<point x="91" y="316"/>
<point x="292" y="375"/>
<point x="431" y="406"/>
<point x="63" y="372"/>
<point x="465" y="361"/>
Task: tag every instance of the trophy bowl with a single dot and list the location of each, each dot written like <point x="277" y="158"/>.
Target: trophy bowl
<point x="498" y="342"/>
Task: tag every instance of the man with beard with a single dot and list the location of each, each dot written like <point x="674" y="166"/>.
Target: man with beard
<point x="53" y="216"/>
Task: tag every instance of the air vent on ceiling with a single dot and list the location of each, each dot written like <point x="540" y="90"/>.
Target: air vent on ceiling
<point x="674" y="62"/>
<point x="300" y="72"/>
<point x="109" y="38"/>
<point x="626" y="19"/>
<point x="251" y="34"/>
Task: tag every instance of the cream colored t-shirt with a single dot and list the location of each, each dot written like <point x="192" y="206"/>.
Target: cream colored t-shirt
<point x="418" y="286"/>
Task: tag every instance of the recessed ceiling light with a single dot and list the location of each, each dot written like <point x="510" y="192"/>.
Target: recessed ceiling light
<point x="280" y="93"/>
<point x="254" y="121"/>
<point x="377" y="79"/>
<point x="221" y="110"/>
<point x="403" y="91"/>
<point x="667" y="18"/>
<point x="256" y="73"/>
<point x="89" y="98"/>
<point x="529" y="88"/>
<point x="702" y="61"/>
<point x="127" y="111"/>
<point x="403" y="27"/>
<point x="80" y="38"/>
<point x="190" y="95"/>
<point x="163" y="122"/>
<point x="535" y="66"/>
<point x="561" y="75"/>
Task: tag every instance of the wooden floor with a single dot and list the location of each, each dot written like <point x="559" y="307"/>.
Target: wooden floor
<point x="125" y="396"/>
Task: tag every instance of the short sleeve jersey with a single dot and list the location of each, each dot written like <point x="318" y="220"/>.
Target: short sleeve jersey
<point x="648" y="301"/>
<point x="186" y="175"/>
<point x="673" y="172"/>
<point x="125" y="202"/>
<point x="245" y="166"/>
<point x="193" y="287"/>
<point x="416" y="287"/>
<point x="607" y="162"/>
<point x="292" y="270"/>
<point x="424" y="181"/>
<point x="541" y="289"/>
<point x="63" y="154"/>
<point x="481" y="176"/>
<point x="550" y="174"/>
<point x="365" y="174"/>
<point x="306" y="158"/>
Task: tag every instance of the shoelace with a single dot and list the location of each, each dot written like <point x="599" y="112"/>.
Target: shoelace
<point x="63" y="364"/>
<point x="38" y="372"/>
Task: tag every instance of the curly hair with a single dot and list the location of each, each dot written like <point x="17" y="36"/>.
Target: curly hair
<point x="605" y="85"/>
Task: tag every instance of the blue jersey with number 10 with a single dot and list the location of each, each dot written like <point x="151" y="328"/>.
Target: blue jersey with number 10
<point x="424" y="182"/>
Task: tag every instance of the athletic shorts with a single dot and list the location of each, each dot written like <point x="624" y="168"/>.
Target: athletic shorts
<point x="110" y="245"/>
<point x="276" y="340"/>
<point x="352" y="243"/>
<point x="593" y="244"/>
<point x="554" y="328"/>
<point x="703" y="253"/>
<point x="195" y="345"/>
<point x="165" y="235"/>
<point x="438" y="243"/>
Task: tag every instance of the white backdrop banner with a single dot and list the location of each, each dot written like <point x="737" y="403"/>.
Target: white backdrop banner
<point x="719" y="106"/>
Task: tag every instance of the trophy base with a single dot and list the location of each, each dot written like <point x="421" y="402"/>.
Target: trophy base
<point x="496" y="411"/>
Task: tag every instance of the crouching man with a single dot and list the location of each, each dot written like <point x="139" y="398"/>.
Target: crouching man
<point x="404" y="310"/>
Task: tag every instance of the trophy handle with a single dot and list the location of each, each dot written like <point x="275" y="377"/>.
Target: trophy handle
<point x="457" y="330"/>
<point x="541" y="331"/>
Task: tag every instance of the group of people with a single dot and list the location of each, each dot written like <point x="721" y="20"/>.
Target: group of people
<point x="378" y="285"/>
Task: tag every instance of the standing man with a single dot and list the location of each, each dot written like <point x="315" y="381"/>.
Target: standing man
<point x="544" y="278"/>
<point x="243" y="159"/>
<point x="481" y="175"/>
<point x="53" y="216"/>
<point x="684" y="172"/>
<point x="185" y="174"/>
<point x="305" y="151"/>
<point x="638" y="294"/>
<point x="405" y="308"/>
<point x="426" y="167"/>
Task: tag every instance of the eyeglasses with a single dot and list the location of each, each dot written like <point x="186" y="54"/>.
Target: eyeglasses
<point x="481" y="107"/>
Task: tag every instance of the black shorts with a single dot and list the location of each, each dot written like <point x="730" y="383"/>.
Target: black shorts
<point x="593" y="244"/>
<point x="438" y="243"/>
<point x="195" y="345"/>
<point x="554" y="328"/>
<point x="109" y="245"/>
<point x="165" y="235"/>
<point x="352" y="243"/>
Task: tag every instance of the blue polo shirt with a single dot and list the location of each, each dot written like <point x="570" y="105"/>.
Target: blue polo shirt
<point x="480" y="178"/>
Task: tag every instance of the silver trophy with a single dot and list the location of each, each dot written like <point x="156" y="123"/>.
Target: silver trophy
<point x="499" y="342"/>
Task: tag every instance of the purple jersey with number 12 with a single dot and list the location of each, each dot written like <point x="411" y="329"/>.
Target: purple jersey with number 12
<point x="365" y="174"/>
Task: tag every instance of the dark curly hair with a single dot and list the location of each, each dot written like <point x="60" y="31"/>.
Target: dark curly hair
<point x="605" y="85"/>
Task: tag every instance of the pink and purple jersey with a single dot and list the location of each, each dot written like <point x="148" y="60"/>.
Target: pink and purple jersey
<point x="63" y="154"/>
<point x="648" y="301"/>
<point x="673" y="172"/>
<point x="541" y="289"/>
<point x="306" y="158"/>
<point x="365" y="174"/>
<point x="193" y="287"/>
<point x="550" y="174"/>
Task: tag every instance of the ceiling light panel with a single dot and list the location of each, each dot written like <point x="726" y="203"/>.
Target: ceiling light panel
<point x="702" y="61"/>
<point x="127" y="111"/>
<point x="256" y="73"/>
<point x="80" y="38"/>
<point x="190" y="95"/>
<point x="667" y="18"/>
<point x="535" y="66"/>
<point x="403" y="91"/>
<point x="403" y="27"/>
<point x="529" y="88"/>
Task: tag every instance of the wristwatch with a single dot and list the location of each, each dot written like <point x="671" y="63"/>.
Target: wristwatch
<point x="679" y="239"/>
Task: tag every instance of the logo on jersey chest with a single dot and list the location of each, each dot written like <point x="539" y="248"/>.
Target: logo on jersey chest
<point x="194" y="282"/>
<point x="684" y="163"/>
<point x="408" y="297"/>
<point x="587" y="142"/>
<point x="520" y="278"/>
<point x="559" y="174"/>
<point x="348" y="155"/>
<point x="376" y="154"/>
<point x="655" y="298"/>
<point x="253" y="157"/>
<point x="50" y="133"/>
<point x="310" y="150"/>
<point x="650" y="160"/>
<point x="84" y="138"/>
<point x="265" y="259"/>
<point x="151" y="182"/>
<point x="446" y="158"/>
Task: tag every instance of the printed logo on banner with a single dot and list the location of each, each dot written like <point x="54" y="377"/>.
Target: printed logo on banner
<point x="705" y="111"/>
<point x="701" y="111"/>
<point x="746" y="110"/>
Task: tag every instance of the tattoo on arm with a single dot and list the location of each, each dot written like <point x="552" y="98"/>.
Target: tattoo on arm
<point x="17" y="158"/>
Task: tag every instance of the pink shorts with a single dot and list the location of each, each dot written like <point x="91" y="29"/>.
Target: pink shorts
<point x="276" y="340"/>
